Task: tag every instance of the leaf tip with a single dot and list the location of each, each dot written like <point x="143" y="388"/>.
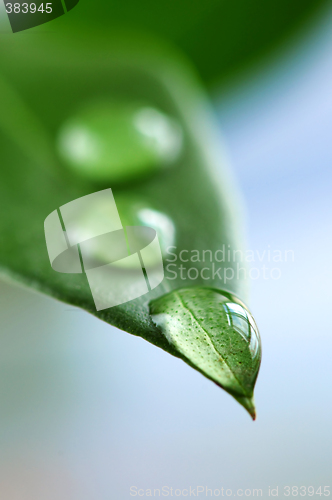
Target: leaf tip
<point x="248" y="404"/>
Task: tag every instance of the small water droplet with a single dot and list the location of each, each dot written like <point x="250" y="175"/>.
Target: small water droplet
<point x="119" y="141"/>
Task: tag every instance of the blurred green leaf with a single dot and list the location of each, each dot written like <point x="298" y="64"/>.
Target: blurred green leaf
<point x="218" y="35"/>
<point x="48" y="79"/>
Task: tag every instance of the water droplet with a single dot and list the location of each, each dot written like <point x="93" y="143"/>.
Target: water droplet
<point x="133" y="211"/>
<point x="224" y="345"/>
<point x="119" y="142"/>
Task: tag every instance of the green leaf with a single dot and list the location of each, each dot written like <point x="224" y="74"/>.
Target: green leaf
<point x="219" y="36"/>
<point x="192" y="204"/>
<point x="216" y="334"/>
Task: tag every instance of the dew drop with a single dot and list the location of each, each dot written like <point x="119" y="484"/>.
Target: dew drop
<point x="119" y="142"/>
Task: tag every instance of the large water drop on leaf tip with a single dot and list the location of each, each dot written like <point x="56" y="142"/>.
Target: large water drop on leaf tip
<point x="226" y="345"/>
<point x="119" y="141"/>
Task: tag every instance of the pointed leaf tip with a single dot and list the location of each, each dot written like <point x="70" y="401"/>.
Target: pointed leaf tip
<point x="248" y="404"/>
<point x="215" y="333"/>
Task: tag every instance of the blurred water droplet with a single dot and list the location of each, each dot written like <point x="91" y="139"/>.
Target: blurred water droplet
<point x="119" y="142"/>
<point x="133" y="211"/>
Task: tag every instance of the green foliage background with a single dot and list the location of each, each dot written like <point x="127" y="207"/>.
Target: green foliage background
<point x="219" y="36"/>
